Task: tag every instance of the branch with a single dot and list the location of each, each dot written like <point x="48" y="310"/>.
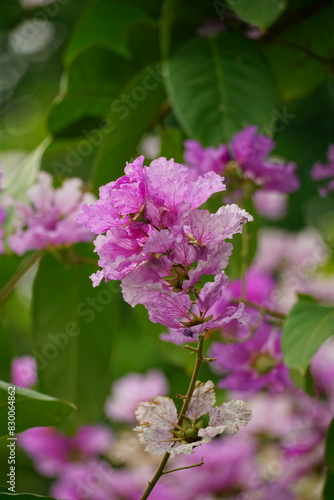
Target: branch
<point x="10" y="285"/>
<point x="262" y="309"/>
<point x="186" y="401"/>
<point x="188" y="467"/>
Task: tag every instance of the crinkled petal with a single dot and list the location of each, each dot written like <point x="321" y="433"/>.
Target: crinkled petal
<point x="157" y="440"/>
<point x="186" y="449"/>
<point x="160" y="412"/>
<point x="202" y="400"/>
<point x="230" y="415"/>
<point x="234" y="218"/>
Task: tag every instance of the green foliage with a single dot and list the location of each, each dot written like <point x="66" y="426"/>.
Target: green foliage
<point x="135" y="111"/>
<point x="32" y="409"/>
<point x="219" y="85"/>
<point x="262" y="13"/>
<point x="75" y="330"/>
<point x="306" y="328"/>
<point x="105" y="24"/>
<point x="328" y="493"/>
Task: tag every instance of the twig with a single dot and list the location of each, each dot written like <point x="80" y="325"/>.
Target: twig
<point x="182" y="468"/>
<point x="262" y="309"/>
<point x="185" y="405"/>
<point x="10" y="285"/>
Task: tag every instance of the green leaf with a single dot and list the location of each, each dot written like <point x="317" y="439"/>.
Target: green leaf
<point x="94" y="80"/>
<point x="75" y="330"/>
<point x="133" y="113"/>
<point x="303" y="381"/>
<point x="329" y="450"/>
<point x="262" y="13"/>
<point x="296" y="73"/>
<point x="328" y="493"/>
<point x="32" y="409"/>
<point x="105" y="23"/>
<point x="219" y="85"/>
<point x="306" y="328"/>
<point x="301" y="55"/>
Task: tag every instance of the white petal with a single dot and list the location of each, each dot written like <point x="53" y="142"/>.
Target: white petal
<point x="160" y="412"/>
<point x="186" y="449"/>
<point x="157" y="440"/>
<point x="202" y="400"/>
<point x="230" y="415"/>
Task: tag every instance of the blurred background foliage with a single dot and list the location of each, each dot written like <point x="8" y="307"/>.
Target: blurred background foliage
<point x="88" y="85"/>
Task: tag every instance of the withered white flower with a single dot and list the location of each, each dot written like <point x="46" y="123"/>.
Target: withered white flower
<point x="159" y="429"/>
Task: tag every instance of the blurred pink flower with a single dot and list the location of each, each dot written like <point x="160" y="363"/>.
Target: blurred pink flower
<point x="49" y="219"/>
<point x="24" y="371"/>
<point x="128" y="391"/>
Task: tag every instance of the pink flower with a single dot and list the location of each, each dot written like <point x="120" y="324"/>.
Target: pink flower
<point x="254" y="364"/>
<point x="160" y="432"/>
<point x="128" y="391"/>
<point x="248" y="151"/>
<point x="320" y="172"/>
<point x="50" y="217"/>
<point x="24" y="371"/>
<point x="51" y="450"/>
<point x="133" y="209"/>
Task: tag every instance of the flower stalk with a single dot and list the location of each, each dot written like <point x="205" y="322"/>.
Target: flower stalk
<point x="186" y="401"/>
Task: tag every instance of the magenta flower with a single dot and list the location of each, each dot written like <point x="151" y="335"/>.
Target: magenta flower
<point x="202" y="160"/>
<point x="128" y="391"/>
<point x="160" y="432"/>
<point x="248" y="151"/>
<point x="320" y="172"/>
<point x="50" y="217"/>
<point x="51" y="451"/>
<point x="185" y="319"/>
<point x="133" y="209"/>
<point x="24" y="371"/>
<point x="254" y="364"/>
<point x="181" y="257"/>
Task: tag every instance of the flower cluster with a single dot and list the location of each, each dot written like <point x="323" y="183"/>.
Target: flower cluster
<point x="49" y="219"/>
<point x="255" y="361"/>
<point x="160" y="244"/>
<point x="249" y="152"/>
<point x="160" y="432"/>
<point x="321" y="172"/>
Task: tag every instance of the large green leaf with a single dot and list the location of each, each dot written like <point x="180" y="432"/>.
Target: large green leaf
<point x="133" y="113"/>
<point x="328" y="493"/>
<point x="75" y="329"/>
<point x="105" y="23"/>
<point x="32" y="409"/>
<point x="262" y="13"/>
<point x="219" y="85"/>
<point x="300" y="55"/>
<point x="306" y="328"/>
<point x="94" y="80"/>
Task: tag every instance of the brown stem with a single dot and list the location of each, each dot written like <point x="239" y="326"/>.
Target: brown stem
<point x="187" y="467"/>
<point x="185" y="405"/>
<point x="262" y="309"/>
